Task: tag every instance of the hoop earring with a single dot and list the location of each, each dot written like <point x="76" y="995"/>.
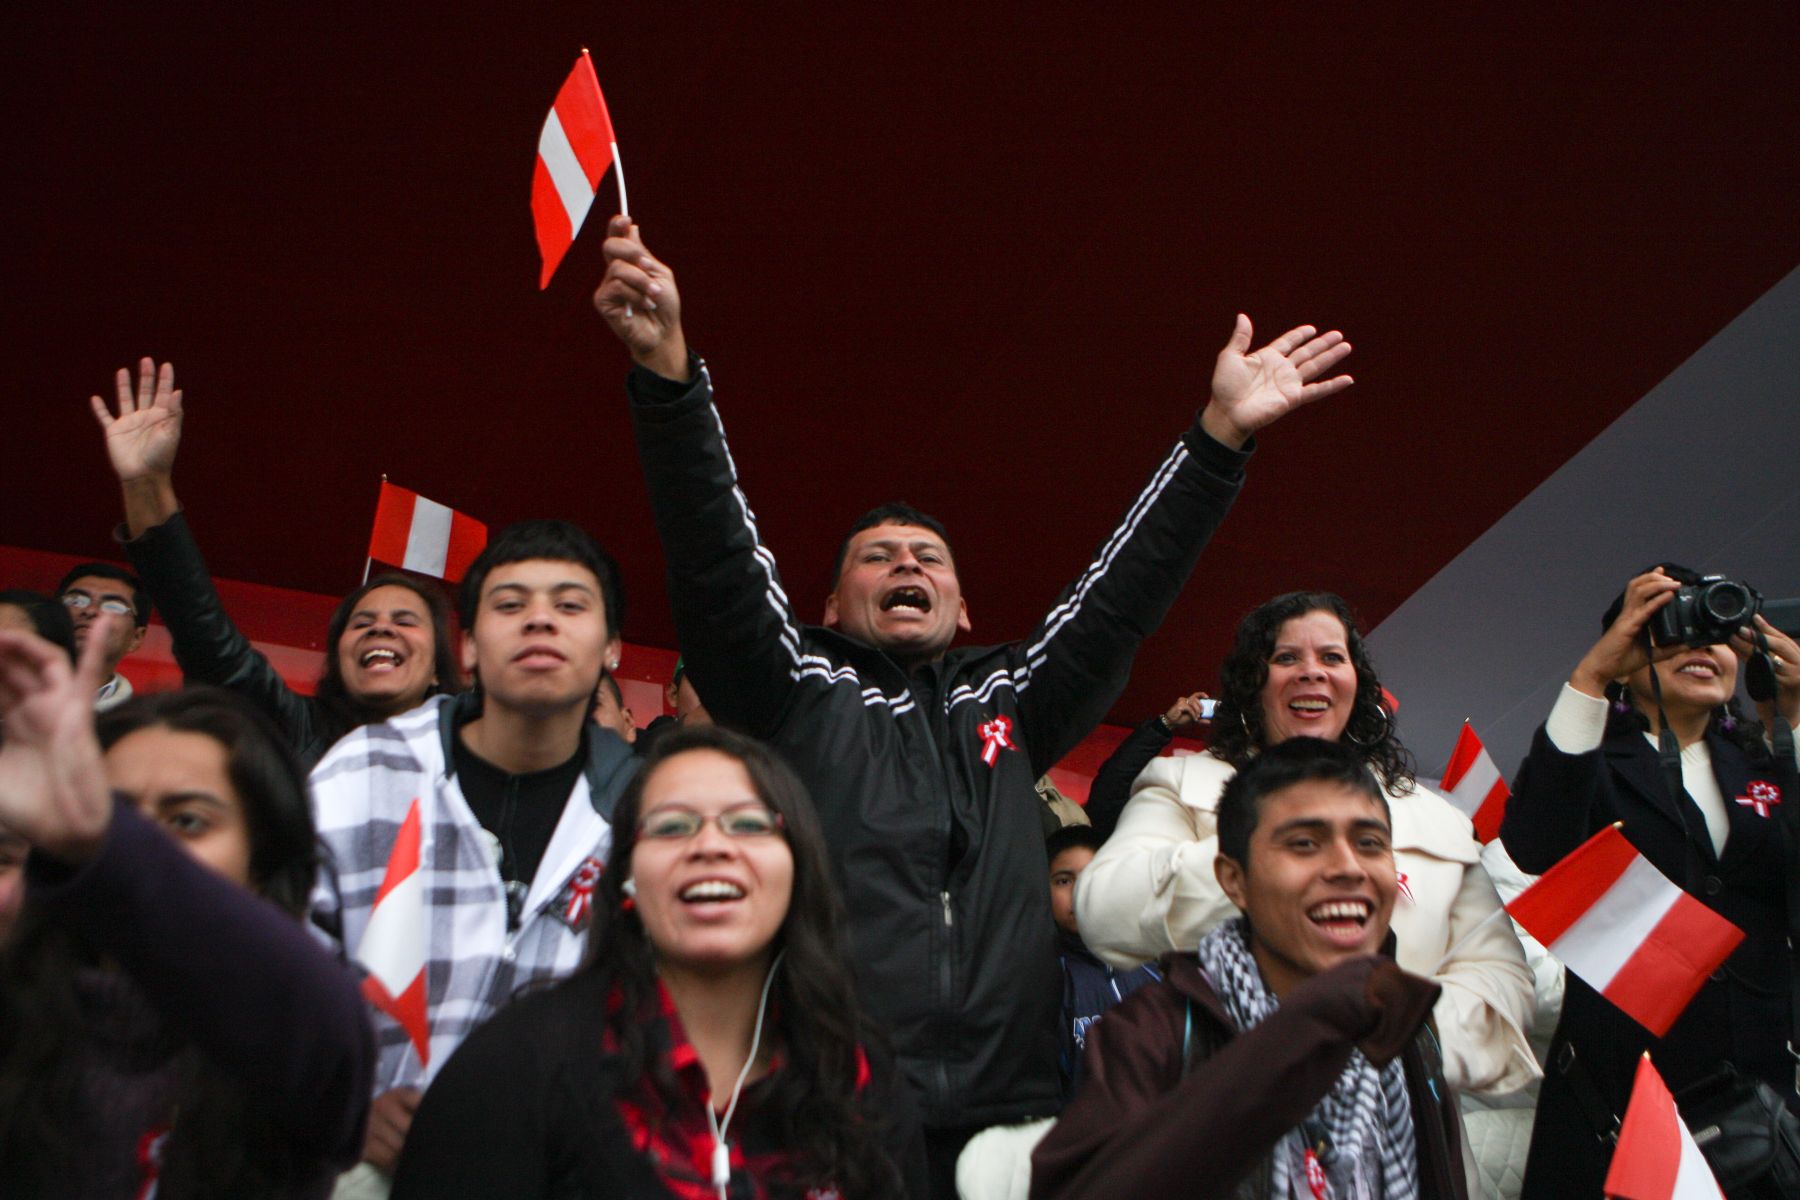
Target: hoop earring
<point x="1387" y="726"/>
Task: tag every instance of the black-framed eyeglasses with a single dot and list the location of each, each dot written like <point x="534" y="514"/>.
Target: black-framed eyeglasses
<point x="674" y="824"/>
<point x="81" y="600"/>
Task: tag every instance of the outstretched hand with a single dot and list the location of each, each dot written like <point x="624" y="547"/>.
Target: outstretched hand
<point x="1253" y="390"/>
<point x="1624" y="647"/>
<point x="637" y="297"/>
<point x="143" y="438"/>
<point x="53" y="789"/>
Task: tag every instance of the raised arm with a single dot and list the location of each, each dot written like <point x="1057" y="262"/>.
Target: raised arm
<point x="141" y="443"/>
<point x="738" y="633"/>
<point x="1112" y="782"/>
<point x="1077" y="661"/>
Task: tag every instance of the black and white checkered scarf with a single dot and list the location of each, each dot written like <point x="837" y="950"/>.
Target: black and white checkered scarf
<point x="1366" y="1115"/>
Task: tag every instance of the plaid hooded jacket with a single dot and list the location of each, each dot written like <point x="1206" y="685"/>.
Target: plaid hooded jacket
<point x="362" y="790"/>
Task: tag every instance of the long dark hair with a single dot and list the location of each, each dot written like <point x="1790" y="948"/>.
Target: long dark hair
<point x="220" y="1146"/>
<point x="1238" y="732"/>
<point x="813" y="1098"/>
<point x="342" y="711"/>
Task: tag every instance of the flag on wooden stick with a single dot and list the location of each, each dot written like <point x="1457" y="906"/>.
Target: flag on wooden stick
<point x="1611" y="917"/>
<point x="424" y="536"/>
<point x="393" y="945"/>
<point x="1475" y="784"/>
<point x="1657" y="1158"/>
<point x="576" y="147"/>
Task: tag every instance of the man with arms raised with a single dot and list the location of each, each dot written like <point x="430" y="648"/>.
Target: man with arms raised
<point x="515" y="789"/>
<point x="923" y="759"/>
<point x="1287" y="1057"/>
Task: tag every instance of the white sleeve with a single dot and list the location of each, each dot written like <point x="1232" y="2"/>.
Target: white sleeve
<point x="1577" y="724"/>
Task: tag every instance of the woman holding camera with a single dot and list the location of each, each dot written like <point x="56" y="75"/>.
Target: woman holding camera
<point x="1721" y="836"/>
<point x="1299" y="668"/>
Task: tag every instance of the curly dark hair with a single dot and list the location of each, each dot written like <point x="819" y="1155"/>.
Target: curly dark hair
<point x="1238" y="733"/>
<point x="813" y="1006"/>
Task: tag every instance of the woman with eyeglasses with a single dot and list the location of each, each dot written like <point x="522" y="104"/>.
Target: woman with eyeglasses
<point x="711" y="1046"/>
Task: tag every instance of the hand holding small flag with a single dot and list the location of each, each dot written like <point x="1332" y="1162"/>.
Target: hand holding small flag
<point x="639" y="300"/>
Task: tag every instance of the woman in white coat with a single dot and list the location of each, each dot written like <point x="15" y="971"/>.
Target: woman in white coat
<point x="1299" y="669"/>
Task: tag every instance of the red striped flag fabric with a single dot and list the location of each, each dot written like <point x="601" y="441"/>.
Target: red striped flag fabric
<point x="424" y="536"/>
<point x="1611" y="917"/>
<point x="393" y="945"/>
<point x="1475" y="784"/>
<point x="1656" y="1158"/>
<point x="575" y="149"/>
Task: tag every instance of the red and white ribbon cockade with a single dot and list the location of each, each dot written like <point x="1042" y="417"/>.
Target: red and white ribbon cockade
<point x="995" y="736"/>
<point x="1760" y="795"/>
<point x="581" y="892"/>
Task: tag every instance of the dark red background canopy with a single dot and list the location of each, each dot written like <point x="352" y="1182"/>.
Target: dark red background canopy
<point x="979" y="260"/>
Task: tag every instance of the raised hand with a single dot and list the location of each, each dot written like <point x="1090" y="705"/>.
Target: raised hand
<point x="1185" y="712"/>
<point x="1624" y="648"/>
<point x="637" y="297"/>
<point x="53" y="789"/>
<point x="1252" y="390"/>
<point x="143" y="438"/>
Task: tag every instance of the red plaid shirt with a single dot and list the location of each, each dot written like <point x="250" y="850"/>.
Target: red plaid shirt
<point x="678" y="1140"/>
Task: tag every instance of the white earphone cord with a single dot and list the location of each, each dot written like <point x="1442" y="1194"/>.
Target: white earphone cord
<point x="721" y="1158"/>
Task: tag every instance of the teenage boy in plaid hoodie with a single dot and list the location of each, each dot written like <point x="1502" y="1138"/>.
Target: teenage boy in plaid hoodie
<point x="515" y="789"/>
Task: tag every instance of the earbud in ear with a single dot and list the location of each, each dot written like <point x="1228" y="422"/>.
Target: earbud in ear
<point x="629" y="887"/>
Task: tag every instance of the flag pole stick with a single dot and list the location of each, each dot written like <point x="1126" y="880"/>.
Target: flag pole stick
<point x="367" y="563"/>
<point x="624" y="205"/>
<point x="1465" y="939"/>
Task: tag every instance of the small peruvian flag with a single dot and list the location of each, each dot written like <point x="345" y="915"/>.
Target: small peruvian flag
<point x="424" y="536"/>
<point x="575" y="148"/>
<point x="393" y="944"/>
<point x="1475" y="784"/>
<point x="1616" y="921"/>
<point x="1656" y="1158"/>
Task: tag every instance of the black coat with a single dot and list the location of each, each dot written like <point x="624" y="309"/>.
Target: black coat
<point x="940" y="852"/>
<point x="1741" y="1014"/>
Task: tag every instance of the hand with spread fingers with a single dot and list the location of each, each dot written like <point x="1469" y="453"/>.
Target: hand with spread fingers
<point x="1624" y="647"/>
<point x="1253" y="390"/>
<point x="53" y="790"/>
<point x="1784" y="654"/>
<point x="637" y="297"/>
<point x="142" y="441"/>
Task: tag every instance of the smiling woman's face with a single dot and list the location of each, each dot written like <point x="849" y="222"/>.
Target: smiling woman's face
<point x="1311" y="688"/>
<point x="181" y="780"/>
<point x="710" y="902"/>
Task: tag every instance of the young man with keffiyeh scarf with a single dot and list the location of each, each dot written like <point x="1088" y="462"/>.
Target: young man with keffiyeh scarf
<point x="1287" y="1058"/>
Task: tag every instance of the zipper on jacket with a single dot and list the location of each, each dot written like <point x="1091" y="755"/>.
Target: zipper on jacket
<point x="949" y="916"/>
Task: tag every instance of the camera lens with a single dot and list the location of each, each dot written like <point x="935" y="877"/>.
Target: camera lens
<point x="1726" y="603"/>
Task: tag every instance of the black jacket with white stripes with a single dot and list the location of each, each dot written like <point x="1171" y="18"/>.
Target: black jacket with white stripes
<point x="940" y="854"/>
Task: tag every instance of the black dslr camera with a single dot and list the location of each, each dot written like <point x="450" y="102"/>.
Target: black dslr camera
<point x="1705" y="612"/>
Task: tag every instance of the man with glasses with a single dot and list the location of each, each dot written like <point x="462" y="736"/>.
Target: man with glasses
<point x="92" y="588"/>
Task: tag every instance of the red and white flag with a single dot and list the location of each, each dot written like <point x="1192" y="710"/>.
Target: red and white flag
<point x="1656" y="1158"/>
<point x="423" y="535"/>
<point x="393" y="946"/>
<point x="1475" y="784"/>
<point x="1616" y="921"/>
<point x="575" y="148"/>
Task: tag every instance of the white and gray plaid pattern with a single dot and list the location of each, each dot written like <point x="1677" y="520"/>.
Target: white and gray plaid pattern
<point x="362" y="790"/>
<point x="1367" y="1113"/>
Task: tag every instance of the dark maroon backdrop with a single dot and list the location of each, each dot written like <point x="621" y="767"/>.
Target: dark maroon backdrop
<point x="978" y="260"/>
